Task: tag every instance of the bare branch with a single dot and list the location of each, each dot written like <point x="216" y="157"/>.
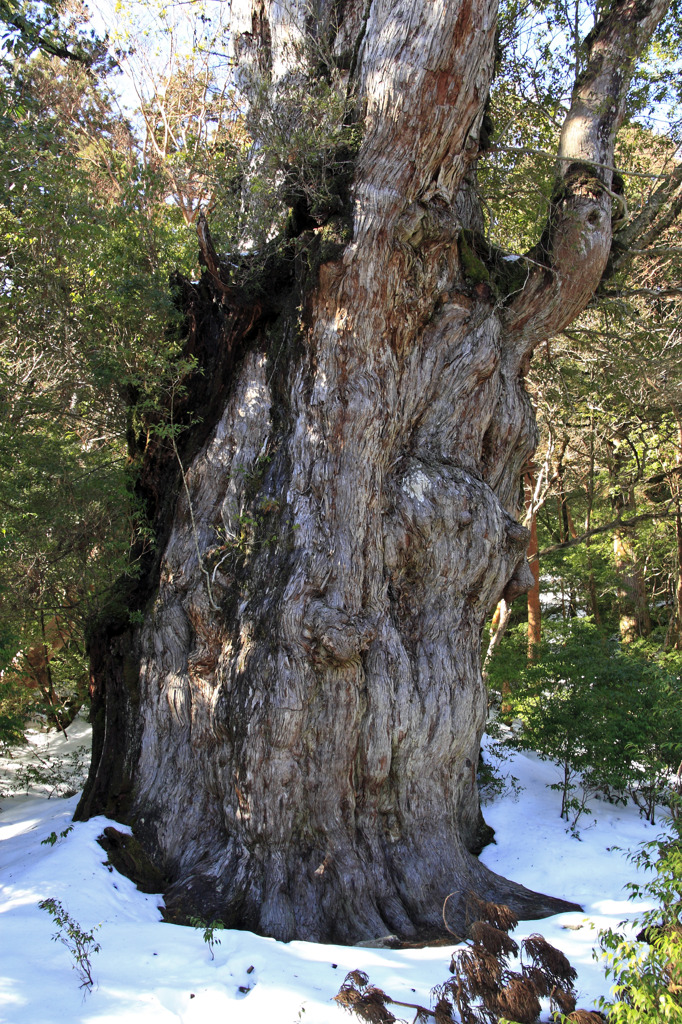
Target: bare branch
<point x="543" y="484"/>
<point x="497" y="634"/>
<point x="532" y="151"/>
<point x="639" y="225"/>
<point x="659" y="250"/>
<point x="656" y="293"/>
<point x="614" y="524"/>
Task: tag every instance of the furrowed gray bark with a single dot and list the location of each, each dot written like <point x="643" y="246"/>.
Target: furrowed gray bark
<point x="302" y="761"/>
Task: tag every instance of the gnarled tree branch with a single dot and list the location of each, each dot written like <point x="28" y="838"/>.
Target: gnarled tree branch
<point x="576" y="243"/>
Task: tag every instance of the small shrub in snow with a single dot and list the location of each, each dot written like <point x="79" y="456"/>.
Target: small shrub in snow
<point x="80" y="944"/>
<point x="609" y="715"/>
<point x="62" y="775"/>
<point x="53" y="838"/>
<point x="208" y="929"/>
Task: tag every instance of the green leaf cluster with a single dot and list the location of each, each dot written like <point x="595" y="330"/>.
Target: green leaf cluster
<point x="26" y="27"/>
<point x="88" y="343"/>
<point x="647" y="972"/>
<point x="80" y="943"/>
<point x="609" y="715"/>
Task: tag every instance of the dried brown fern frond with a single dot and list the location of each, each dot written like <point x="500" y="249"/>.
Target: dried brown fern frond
<point x="586" y="1017"/>
<point x="369" y="1005"/>
<point x="442" y="1011"/>
<point x="347" y="996"/>
<point x="542" y="984"/>
<point x="550" y="959"/>
<point x="357" y="978"/>
<point x="444" y="991"/>
<point x="476" y="970"/>
<point x="518" y="1000"/>
<point x="497" y="914"/>
<point x="456" y="991"/>
<point x="478" y="1015"/>
<point x="563" y="999"/>
<point x="493" y="939"/>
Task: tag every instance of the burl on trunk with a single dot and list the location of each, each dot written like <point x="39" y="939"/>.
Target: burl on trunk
<point x="294" y="729"/>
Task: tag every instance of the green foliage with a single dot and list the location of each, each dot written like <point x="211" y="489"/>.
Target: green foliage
<point x="26" y="27"/>
<point x="61" y="775"/>
<point x="53" y="838"/>
<point x="606" y="387"/>
<point x="87" y="347"/>
<point x="208" y="930"/>
<point x="81" y="944"/>
<point x="607" y="714"/>
<point x="647" y="973"/>
<point x="605" y="404"/>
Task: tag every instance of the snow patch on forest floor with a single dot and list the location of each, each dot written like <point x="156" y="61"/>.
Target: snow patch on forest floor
<point x="163" y="974"/>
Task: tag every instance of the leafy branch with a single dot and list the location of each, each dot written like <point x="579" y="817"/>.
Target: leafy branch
<point x="81" y="944"/>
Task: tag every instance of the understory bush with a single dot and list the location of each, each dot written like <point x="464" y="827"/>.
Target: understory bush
<point x="16" y="706"/>
<point x="608" y="714"/>
<point x="60" y="774"/>
<point x="22" y="698"/>
<point x="647" y="971"/>
<point x="208" y="931"/>
<point x="80" y="943"/>
<point x="494" y="781"/>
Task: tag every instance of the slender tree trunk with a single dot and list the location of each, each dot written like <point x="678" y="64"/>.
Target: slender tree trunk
<point x="562" y="506"/>
<point x="533" y="596"/>
<point x="633" y="605"/>
<point x="677" y="490"/>
<point x="592" y="588"/>
<point x="634" y="616"/>
<point x="294" y="729"/>
<point x="566" y="527"/>
<point x="37" y="673"/>
<point x="498" y="628"/>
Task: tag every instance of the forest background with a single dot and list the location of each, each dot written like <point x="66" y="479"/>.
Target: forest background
<point x="103" y="189"/>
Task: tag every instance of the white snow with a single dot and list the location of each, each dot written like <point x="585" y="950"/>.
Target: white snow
<point x="163" y="974"/>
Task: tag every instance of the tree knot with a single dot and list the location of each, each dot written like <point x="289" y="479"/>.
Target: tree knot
<point x="334" y="634"/>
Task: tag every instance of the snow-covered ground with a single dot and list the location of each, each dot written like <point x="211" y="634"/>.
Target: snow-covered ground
<point x="163" y="974"/>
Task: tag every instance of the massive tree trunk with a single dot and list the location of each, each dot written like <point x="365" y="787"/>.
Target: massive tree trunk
<point x="294" y="729"/>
